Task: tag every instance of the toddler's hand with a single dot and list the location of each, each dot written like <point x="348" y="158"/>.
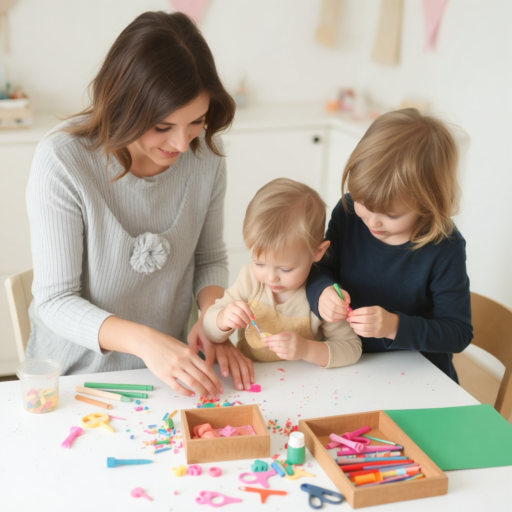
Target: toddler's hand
<point x="236" y="315"/>
<point x="374" y="322"/>
<point x="288" y="345"/>
<point x="331" y="308"/>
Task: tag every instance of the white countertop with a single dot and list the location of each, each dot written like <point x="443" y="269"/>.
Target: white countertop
<point x="36" y="474"/>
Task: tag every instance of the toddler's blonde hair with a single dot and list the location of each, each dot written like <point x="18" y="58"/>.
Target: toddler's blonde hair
<point x="407" y="160"/>
<point x="284" y="213"/>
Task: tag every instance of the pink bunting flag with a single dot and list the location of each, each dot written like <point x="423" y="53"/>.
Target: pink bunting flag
<point x="433" y="11"/>
<point x="192" y="8"/>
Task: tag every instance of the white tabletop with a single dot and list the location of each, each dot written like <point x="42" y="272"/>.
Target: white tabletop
<point x="36" y="474"/>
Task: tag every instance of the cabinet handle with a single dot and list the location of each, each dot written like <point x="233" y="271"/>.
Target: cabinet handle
<point x="316" y="139"/>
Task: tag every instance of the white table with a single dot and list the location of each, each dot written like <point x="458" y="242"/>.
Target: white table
<point x="36" y="474"/>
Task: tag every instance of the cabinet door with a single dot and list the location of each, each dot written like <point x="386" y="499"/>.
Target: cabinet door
<point x="254" y="159"/>
<point x="341" y="145"/>
<point x="15" y="256"/>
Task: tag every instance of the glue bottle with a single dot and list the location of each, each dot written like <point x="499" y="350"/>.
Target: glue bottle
<point x="296" y="453"/>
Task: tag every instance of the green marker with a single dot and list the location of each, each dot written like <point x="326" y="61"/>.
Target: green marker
<point x="134" y="387"/>
<point x="340" y="295"/>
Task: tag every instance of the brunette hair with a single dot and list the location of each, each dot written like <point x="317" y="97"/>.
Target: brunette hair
<point x="409" y="160"/>
<point x="282" y="213"/>
<point x="158" y="64"/>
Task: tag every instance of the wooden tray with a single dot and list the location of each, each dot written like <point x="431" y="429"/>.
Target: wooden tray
<point x="225" y="448"/>
<point x="316" y="432"/>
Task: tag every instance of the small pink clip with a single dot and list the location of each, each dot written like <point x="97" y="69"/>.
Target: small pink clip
<point x="214" y="471"/>
<point x="75" y="432"/>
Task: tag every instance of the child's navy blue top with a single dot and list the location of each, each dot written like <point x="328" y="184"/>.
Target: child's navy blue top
<point x="428" y="288"/>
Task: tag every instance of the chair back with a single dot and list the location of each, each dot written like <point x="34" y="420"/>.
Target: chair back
<point x="492" y="329"/>
<point x="19" y="297"/>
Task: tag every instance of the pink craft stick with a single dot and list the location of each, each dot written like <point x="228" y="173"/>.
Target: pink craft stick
<point x="356" y="433"/>
<point x="358" y="447"/>
<point x="353" y="436"/>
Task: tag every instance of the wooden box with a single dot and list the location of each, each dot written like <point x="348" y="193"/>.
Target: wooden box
<point x="15" y="113"/>
<point x="316" y="432"/>
<point x="225" y="448"/>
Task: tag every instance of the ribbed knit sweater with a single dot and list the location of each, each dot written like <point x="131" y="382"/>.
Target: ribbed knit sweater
<point x="84" y="230"/>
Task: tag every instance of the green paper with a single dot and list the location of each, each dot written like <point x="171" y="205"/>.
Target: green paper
<point x="474" y="436"/>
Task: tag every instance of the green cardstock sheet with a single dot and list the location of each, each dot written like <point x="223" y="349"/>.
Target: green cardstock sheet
<point x="474" y="436"/>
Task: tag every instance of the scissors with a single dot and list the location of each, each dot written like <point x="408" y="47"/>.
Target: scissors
<point x="262" y="492"/>
<point x="97" y="419"/>
<point x="207" y="497"/>
<point x="261" y="477"/>
<point x="320" y="494"/>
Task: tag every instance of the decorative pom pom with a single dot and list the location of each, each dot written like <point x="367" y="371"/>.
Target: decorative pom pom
<point x="150" y="253"/>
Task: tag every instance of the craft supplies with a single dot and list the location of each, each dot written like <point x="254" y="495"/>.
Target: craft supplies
<point x="97" y="403"/>
<point x="103" y="394"/>
<point x="207" y="497"/>
<point x="172" y="413"/>
<point x="358" y="447"/>
<point x="296" y="451"/>
<point x="139" y="493"/>
<point x="394" y="479"/>
<point x="260" y="478"/>
<point x="288" y="468"/>
<point x="298" y="473"/>
<point x="347" y="468"/>
<point x="259" y="465"/>
<point x="379" y="440"/>
<point x="39" y="380"/>
<point x="318" y="496"/>
<point x="179" y="471"/>
<point x="340" y="295"/>
<point x="116" y="417"/>
<point x="278" y="468"/>
<point x="367" y="449"/>
<point x="112" y="462"/>
<point x="194" y="470"/>
<point x="97" y="419"/>
<point x="131" y="394"/>
<point x="169" y="423"/>
<point x="74" y="432"/>
<point x="228" y="431"/>
<point x="255" y="388"/>
<point x="214" y="471"/>
<point x="264" y="493"/>
<point x="133" y="387"/>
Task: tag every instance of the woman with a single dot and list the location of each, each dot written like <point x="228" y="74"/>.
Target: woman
<point x="125" y="204"/>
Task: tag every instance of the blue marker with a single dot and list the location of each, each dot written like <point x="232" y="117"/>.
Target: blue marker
<point x="113" y="462"/>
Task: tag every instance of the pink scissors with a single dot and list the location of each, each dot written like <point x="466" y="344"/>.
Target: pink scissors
<point x="260" y="477"/>
<point x="207" y="497"/>
<point x="352" y="437"/>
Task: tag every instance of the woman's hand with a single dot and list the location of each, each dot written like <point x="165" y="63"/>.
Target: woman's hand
<point x="374" y="322"/>
<point x="170" y="359"/>
<point x="167" y="358"/>
<point x="236" y="315"/>
<point x="197" y="340"/>
<point x="230" y="359"/>
<point x="331" y="308"/>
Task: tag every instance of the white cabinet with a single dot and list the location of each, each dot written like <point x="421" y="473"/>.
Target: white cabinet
<point x="256" y="157"/>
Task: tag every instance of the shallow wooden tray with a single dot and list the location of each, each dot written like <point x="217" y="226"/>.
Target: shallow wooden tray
<point x="225" y="448"/>
<point x="317" y="431"/>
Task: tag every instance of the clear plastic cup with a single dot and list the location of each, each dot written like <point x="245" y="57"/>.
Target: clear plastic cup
<point x="39" y="380"/>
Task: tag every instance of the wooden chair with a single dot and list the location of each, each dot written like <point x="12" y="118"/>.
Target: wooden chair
<point x="492" y="328"/>
<point x="19" y="297"/>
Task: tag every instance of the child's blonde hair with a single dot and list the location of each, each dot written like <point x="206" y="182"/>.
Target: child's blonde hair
<point x="407" y="159"/>
<point x="284" y="213"/>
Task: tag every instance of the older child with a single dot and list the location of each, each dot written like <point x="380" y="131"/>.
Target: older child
<point x="283" y="228"/>
<point x="394" y="246"/>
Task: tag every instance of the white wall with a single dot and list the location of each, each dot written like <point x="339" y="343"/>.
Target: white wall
<point x="58" y="45"/>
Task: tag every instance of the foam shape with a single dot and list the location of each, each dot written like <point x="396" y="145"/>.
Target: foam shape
<point x="194" y="470"/>
<point x="179" y="471"/>
<point x="214" y="471"/>
<point x="228" y="431"/>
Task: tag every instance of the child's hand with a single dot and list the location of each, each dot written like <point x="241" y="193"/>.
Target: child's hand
<point x="331" y="308"/>
<point x="288" y="345"/>
<point x="374" y="322"/>
<point x="236" y="315"/>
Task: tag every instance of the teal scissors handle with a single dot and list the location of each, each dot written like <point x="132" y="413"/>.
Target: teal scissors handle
<point x="322" y="494"/>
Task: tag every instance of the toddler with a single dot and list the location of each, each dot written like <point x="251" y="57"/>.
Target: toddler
<point x="284" y="230"/>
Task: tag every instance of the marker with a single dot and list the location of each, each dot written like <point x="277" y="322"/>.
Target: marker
<point x="131" y="394"/>
<point x="340" y="295"/>
<point x="380" y="440"/>
<point x="133" y="387"/>
<point x="256" y="327"/>
<point x="346" y="461"/>
<point x="394" y="479"/>
<point x="112" y="462"/>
